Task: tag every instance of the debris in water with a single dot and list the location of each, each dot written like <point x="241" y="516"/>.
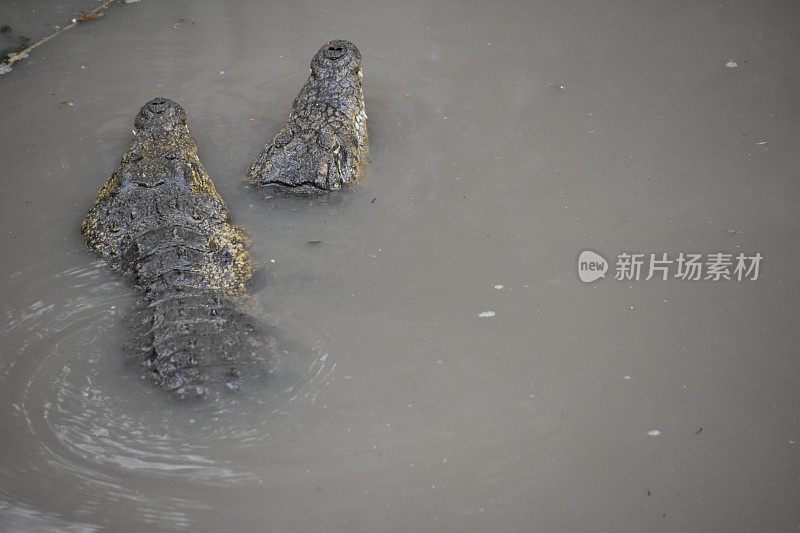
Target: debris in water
<point x="86" y="17"/>
<point x="654" y="433"/>
<point x="25" y="44"/>
<point x="731" y="64"/>
<point x="5" y="29"/>
<point x="761" y="143"/>
<point x="314" y="242"/>
<point x="698" y="430"/>
<point x="486" y="314"/>
<point x="498" y="286"/>
<point x="181" y="21"/>
<point x="733" y="231"/>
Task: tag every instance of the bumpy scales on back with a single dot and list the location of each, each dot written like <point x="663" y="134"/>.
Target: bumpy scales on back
<point x="324" y="144"/>
<point x="160" y="221"/>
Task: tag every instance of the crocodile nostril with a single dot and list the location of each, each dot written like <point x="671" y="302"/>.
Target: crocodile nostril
<point x="158" y="105"/>
<point x="334" y="52"/>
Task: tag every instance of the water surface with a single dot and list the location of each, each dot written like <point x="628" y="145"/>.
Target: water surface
<point x="505" y="140"/>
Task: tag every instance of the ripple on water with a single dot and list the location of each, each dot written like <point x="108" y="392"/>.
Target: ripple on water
<point x="81" y="418"/>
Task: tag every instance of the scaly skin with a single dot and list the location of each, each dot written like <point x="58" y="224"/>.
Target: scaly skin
<point x="160" y="222"/>
<point x="324" y="144"/>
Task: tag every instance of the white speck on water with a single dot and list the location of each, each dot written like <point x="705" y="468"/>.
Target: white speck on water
<point x="221" y="72"/>
<point x="731" y="64"/>
<point x="654" y="433"/>
<point x="626" y="378"/>
<point x="324" y="357"/>
<point x="486" y="314"/>
<point x="498" y="286"/>
<point x="761" y="143"/>
<point x="271" y="260"/>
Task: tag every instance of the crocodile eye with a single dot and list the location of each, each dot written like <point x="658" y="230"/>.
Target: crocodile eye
<point x="281" y="139"/>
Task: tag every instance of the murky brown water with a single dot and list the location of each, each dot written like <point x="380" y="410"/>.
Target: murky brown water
<point x="505" y="140"/>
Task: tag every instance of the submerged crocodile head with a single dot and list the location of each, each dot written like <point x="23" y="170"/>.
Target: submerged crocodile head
<point x="159" y="221"/>
<point x="160" y="114"/>
<point x="161" y="182"/>
<point x="324" y="143"/>
<point x="336" y="59"/>
<point x="160" y="155"/>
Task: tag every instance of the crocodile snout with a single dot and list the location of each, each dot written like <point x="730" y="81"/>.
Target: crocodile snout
<point x="157" y="105"/>
<point x="335" y="51"/>
<point x="160" y="113"/>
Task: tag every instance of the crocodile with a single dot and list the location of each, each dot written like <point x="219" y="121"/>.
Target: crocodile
<point x="161" y="223"/>
<point x="324" y="144"/>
